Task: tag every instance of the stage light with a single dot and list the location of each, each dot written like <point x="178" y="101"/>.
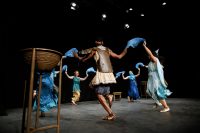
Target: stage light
<point x="103" y="16"/>
<point x="74" y="6"/>
<point x="126" y="26"/>
<point x="128" y="10"/>
<point x="142" y="14"/>
<point x="164" y="3"/>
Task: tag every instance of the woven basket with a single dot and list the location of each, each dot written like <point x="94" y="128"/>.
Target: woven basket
<point x="45" y="59"/>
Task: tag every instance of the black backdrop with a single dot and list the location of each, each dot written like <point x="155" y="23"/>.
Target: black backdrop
<point x="52" y="25"/>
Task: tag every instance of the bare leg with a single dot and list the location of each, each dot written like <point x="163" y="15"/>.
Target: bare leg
<point x="129" y="100"/>
<point x="103" y="102"/>
<point x="110" y="98"/>
<point x="157" y="104"/>
<point x="164" y="104"/>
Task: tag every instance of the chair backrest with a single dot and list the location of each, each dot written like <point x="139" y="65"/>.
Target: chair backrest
<point x="143" y="83"/>
<point x="143" y="86"/>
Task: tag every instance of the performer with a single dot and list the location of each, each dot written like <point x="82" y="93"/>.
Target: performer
<point x="133" y="93"/>
<point x="156" y="85"/>
<point x="76" y="85"/>
<point x="48" y="96"/>
<point x="104" y="75"/>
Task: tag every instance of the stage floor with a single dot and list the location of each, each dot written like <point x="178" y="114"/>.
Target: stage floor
<point x="136" y="117"/>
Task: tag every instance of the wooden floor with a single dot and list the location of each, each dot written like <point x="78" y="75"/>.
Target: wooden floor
<point x="136" y="117"/>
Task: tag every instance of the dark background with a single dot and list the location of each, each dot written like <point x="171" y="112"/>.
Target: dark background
<point x="52" y="24"/>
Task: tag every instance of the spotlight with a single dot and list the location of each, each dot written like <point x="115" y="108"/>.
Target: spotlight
<point x="164" y="3"/>
<point x="73" y="6"/>
<point x="142" y="14"/>
<point x="103" y="16"/>
<point x="126" y="26"/>
<point x="128" y="10"/>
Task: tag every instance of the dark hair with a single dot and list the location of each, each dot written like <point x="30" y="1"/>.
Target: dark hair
<point x="99" y="38"/>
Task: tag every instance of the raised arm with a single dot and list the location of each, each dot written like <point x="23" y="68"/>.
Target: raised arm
<point x="152" y="57"/>
<point x="118" y="56"/>
<point x="56" y="72"/>
<point x="138" y="73"/>
<point x="70" y="77"/>
<point x="77" y="56"/>
<point x="89" y="56"/>
<point x="82" y="79"/>
<point x="124" y="78"/>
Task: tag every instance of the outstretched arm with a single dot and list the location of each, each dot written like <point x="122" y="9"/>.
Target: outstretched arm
<point x="138" y="73"/>
<point x="86" y="51"/>
<point x="118" y="56"/>
<point x="152" y="57"/>
<point x="89" y="56"/>
<point x="82" y="79"/>
<point x="70" y="77"/>
<point x="125" y="78"/>
<point x="77" y="56"/>
<point x="56" y="72"/>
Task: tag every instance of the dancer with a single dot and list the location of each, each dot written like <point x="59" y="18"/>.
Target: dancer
<point x="156" y="85"/>
<point x="104" y="75"/>
<point x="48" y="97"/>
<point x="76" y="85"/>
<point x="133" y="93"/>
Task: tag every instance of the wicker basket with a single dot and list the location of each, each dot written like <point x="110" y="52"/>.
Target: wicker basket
<point x="46" y="59"/>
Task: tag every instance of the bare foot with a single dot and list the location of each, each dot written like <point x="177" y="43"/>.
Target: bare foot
<point x="110" y="117"/>
<point x="74" y="103"/>
<point x="165" y="110"/>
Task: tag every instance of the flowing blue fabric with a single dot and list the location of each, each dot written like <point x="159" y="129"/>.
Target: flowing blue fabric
<point x="48" y="99"/>
<point x="139" y="64"/>
<point x="70" y="52"/>
<point x="64" y="68"/>
<point x="91" y="69"/>
<point x="118" y="74"/>
<point x="156" y="85"/>
<point x="133" y="90"/>
<point x="134" y="42"/>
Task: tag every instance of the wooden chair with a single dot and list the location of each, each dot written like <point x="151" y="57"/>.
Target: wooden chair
<point x="143" y="88"/>
<point x="117" y="95"/>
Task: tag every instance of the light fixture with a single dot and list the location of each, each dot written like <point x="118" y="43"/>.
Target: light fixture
<point x="103" y="16"/>
<point x="142" y="14"/>
<point x="74" y="6"/>
<point x="128" y="10"/>
<point x="126" y="26"/>
<point x="164" y="3"/>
